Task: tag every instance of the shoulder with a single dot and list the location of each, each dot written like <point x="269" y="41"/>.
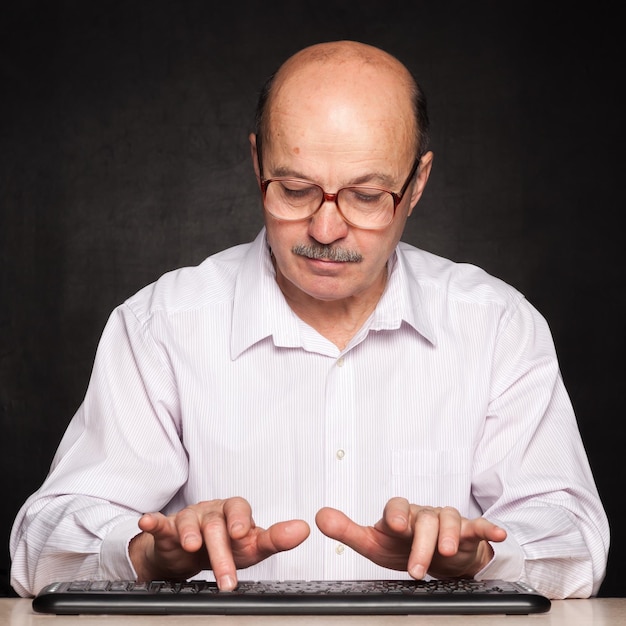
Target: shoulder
<point x="463" y="282"/>
<point x="190" y="288"/>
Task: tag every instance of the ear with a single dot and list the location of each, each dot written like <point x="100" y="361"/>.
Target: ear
<point x="423" y="172"/>
<point x="255" y="158"/>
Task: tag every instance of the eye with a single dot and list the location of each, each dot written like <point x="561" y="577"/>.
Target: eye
<point x="297" y="191"/>
<point x="367" y="197"/>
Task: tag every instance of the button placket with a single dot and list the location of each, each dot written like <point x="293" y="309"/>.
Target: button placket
<point x="340" y="425"/>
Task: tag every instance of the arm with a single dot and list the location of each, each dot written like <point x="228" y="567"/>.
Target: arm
<point x="107" y="469"/>
<point x="531" y="472"/>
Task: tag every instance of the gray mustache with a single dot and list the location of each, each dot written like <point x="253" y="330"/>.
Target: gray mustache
<point x="328" y="252"/>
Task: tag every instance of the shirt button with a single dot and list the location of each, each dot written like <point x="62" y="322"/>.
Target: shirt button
<point x="340" y="454"/>
<point x="340" y="362"/>
<point x="340" y="549"/>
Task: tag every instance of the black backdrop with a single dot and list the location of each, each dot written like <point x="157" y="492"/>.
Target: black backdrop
<point x="123" y="154"/>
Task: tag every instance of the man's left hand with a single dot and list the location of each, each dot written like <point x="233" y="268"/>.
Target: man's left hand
<point x="417" y="539"/>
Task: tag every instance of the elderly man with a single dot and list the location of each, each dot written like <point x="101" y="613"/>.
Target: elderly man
<point x="270" y="404"/>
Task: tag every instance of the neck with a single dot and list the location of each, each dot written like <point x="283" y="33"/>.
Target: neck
<point x="337" y="320"/>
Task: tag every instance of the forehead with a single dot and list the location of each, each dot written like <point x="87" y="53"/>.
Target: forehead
<point x="350" y="109"/>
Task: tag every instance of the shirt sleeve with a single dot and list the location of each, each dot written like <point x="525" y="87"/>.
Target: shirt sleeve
<point x="120" y="456"/>
<point x="531" y="471"/>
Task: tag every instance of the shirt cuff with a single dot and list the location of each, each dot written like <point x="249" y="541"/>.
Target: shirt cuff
<point x="507" y="562"/>
<point x="115" y="563"/>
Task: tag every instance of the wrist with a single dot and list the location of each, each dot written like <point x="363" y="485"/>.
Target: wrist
<point x="484" y="556"/>
<point x="138" y="549"/>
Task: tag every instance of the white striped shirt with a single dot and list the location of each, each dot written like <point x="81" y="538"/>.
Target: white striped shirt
<point x="206" y="385"/>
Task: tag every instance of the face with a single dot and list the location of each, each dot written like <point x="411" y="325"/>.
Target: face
<point x="339" y="125"/>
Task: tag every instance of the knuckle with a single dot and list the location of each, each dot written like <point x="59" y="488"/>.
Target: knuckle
<point x="449" y="510"/>
<point x="428" y="511"/>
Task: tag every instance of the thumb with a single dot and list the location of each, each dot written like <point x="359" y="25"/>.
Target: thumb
<point x="282" y="536"/>
<point x="337" y="525"/>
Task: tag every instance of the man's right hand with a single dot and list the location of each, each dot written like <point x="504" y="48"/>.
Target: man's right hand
<point x="218" y="534"/>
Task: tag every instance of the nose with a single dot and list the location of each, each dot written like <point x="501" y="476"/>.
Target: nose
<point x="327" y="224"/>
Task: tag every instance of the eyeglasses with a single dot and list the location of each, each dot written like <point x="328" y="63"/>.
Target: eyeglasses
<point x="366" y="207"/>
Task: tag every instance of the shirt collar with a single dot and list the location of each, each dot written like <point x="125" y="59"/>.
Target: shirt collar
<point x="261" y="311"/>
<point x="259" y="308"/>
<point x="402" y="301"/>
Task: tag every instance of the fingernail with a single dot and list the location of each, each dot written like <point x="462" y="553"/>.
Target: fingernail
<point x="236" y="527"/>
<point x="418" y="572"/>
<point x="227" y="583"/>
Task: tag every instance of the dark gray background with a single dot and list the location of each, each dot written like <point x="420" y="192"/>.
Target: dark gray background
<point x="123" y="130"/>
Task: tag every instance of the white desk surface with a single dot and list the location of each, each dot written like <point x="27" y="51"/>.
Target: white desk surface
<point x="594" y="612"/>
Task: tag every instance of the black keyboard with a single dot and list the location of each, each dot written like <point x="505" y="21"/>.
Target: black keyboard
<point x="331" y="597"/>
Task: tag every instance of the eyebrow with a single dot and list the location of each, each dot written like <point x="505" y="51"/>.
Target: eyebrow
<point x="372" y="178"/>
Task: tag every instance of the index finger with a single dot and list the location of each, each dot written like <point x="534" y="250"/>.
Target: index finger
<point x="427" y="525"/>
<point x="232" y="520"/>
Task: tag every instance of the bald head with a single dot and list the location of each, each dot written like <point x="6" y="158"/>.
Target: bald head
<point x="342" y="54"/>
<point x="344" y="69"/>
